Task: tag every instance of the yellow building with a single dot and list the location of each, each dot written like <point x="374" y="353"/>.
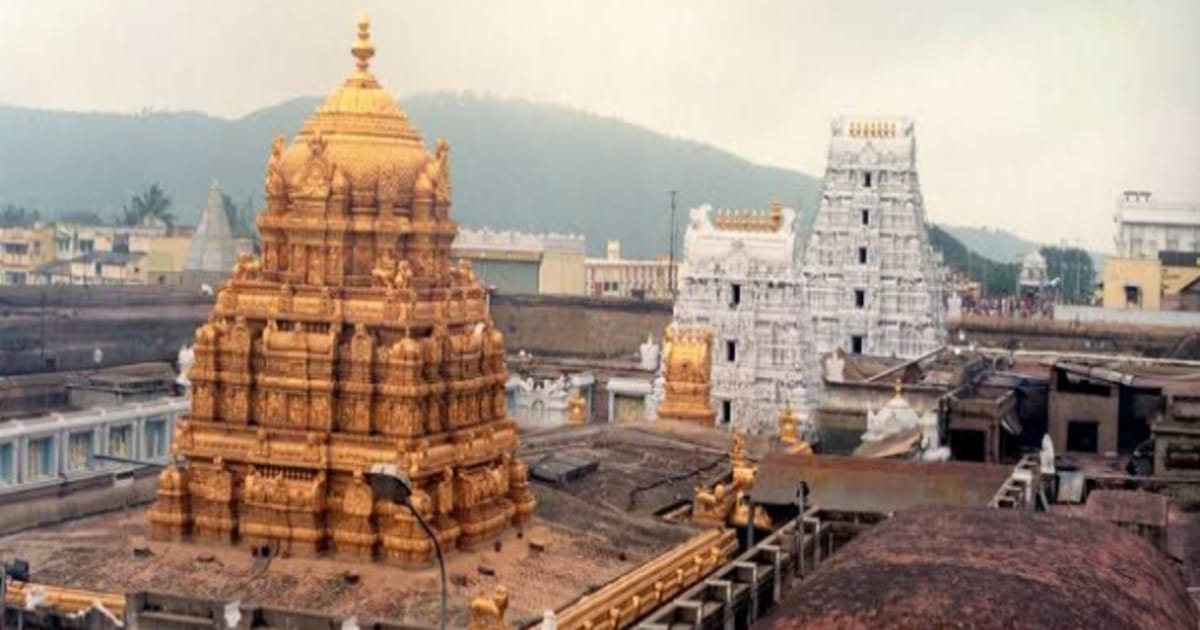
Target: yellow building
<point x="23" y="250"/>
<point x="1151" y="284"/>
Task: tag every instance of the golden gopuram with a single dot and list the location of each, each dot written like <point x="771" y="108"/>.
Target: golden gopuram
<point x="687" y="375"/>
<point x="353" y="342"/>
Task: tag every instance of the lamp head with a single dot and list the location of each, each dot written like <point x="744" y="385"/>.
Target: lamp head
<point x="388" y="482"/>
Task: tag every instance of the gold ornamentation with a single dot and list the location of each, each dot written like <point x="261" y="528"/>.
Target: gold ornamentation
<point x="487" y="613"/>
<point x="295" y="388"/>
<point x="687" y="374"/>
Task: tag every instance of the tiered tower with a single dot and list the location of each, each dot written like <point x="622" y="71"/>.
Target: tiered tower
<point x="741" y="282"/>
<point x="874" y="283"/>
<point x="354" y="342"/>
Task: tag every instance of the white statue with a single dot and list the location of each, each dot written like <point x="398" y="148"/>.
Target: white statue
<point x="185" y="359"/>
<point x="1046" y="457"/>
<point x="649" y="354"/>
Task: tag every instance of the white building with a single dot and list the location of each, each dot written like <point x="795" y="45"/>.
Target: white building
<point x="875" y="285"/>
<point x="614" y="276"/>
<point x="519" y="262"/>
<point x="1146" y="226"/>
<point x="741" y="277"/>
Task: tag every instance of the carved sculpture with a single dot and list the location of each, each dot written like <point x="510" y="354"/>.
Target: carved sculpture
<point x="687" y="368"/>
<point x="314" y="372"/>
<point x="487" y="613"/>
<point x="577" y="410"/>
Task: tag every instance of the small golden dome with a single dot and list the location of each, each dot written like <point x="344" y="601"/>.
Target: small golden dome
<point x="362" y="131"/>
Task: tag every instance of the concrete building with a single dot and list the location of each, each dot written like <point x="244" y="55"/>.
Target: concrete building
<point x="22" y="250"/>
<point x="741" y="279"/>
<point x="1166" y="281"/>
<point x="614" y="276"/>
<point x="875" y="285"/>
<point x="49" y="449"/>
<point x="517" y="262"/>
<point x="1147" y="226"/>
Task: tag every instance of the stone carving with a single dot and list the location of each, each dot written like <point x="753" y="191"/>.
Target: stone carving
<point x="339" y="355"/>
<point x="743" y="281"/>
<point x="879" y="289"/>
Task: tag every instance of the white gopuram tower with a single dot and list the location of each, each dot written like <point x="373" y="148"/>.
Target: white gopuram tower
<point x="741" y="278"/>
<point x="875" y="285"/>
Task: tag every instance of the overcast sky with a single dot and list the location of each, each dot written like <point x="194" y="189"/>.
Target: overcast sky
<point x="1031" y="116"/>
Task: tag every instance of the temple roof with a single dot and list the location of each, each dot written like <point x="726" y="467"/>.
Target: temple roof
<point x="213" y="247"/>
<point x="365" y="132"/>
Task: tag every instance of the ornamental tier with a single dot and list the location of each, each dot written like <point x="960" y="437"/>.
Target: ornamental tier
<point x="353" y="342"/>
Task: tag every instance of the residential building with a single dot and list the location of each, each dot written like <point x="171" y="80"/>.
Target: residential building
<point x="1167" y="281"/>
<point x="875" y="285"/>
<point x="519" y="262"/>
<point x="1147" y="226"/>
<point x="22" y="250"/>
<point x="614" y="276"/>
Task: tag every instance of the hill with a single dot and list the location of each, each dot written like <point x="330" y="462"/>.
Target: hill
<point x="516" y="165"/>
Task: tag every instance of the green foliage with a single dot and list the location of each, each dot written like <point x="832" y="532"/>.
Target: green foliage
<point x="995" y="278"/>
<point x="17" y="216"/>
<point x="239" y="217"/>
<point x="1075" y="271"/>
<point x="152" y="203"/>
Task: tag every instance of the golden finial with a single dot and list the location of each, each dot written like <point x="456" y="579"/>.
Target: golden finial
<point x="776" y="215"/>
<point x="363" y="49"/>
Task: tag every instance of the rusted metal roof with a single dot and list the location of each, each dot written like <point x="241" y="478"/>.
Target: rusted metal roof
<point x="1125" y="507"/>
<point x="875" y="485"/>
<point x="981" y="568"/>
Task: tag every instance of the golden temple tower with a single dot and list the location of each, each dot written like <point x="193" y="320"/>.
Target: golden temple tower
<point x="687" y="375"/>
<point x="353" y="342"/>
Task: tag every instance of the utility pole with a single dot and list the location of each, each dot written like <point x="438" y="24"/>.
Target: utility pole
<point x="671" y="253"/>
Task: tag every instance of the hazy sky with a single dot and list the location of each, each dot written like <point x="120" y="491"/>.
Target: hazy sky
<point x="1030" y="115"/>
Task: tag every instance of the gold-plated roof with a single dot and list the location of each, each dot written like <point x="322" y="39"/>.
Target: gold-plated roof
<point x="365" y="130"/>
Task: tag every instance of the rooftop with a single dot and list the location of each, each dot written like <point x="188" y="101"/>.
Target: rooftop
<point x="593" y="530"/>
<point x="946" y="567"/>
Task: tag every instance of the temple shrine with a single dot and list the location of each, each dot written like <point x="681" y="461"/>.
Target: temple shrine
<point x="353" y="342"/>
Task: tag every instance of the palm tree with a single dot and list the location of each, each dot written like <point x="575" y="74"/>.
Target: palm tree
<point x="151" y="204"/>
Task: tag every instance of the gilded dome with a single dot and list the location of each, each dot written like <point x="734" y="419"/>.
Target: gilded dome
<point x="363" y="132"/>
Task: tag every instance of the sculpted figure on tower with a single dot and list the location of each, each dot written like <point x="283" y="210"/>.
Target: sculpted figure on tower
<point x="352" y="342"/>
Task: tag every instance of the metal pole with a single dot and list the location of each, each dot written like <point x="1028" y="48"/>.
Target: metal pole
<point x="3" y="595"/>
<point x="437" y="547"/>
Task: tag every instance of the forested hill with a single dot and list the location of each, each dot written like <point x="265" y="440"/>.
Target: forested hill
<point x="515" y="164"/>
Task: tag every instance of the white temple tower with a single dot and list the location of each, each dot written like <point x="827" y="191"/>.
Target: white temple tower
<point x="213" y="249"/>
<point x="875" y="285"/>
<point x="741" y="278"/>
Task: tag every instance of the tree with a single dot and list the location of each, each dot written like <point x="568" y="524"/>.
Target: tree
<point x="1073" y="267"/>
<point x="17" y="216"/>
<point x="82" y="217"/>
<point x="153" y="203"/>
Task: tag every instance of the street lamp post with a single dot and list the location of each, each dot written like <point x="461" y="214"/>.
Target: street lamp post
<point x="387" y="482"/>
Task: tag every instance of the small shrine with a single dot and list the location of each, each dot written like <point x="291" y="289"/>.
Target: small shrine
<point x="687" y="371"/>
<point x="353" y="342"/>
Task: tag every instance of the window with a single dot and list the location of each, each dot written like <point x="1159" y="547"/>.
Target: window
<point x="86" y="245"/>
<point x="1133" y="296"/>
<point x="79" y="451"/>
<point x="856" y="344"/>
<point x="156" y="438"/>
<point x="860" y="298"/>
<point x="865" y="216"/>
<point x="8" y="467"/>
<point x="39" y="458"/>
<point x="735" y="295"/>
<point x="731" y="351"/>
<point x="120" y="441"/>
<point x="862" y="255"/>
<point x="866" y="180"/>
<point x="1082" y="436"/>
<point x="726" y="411"/>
